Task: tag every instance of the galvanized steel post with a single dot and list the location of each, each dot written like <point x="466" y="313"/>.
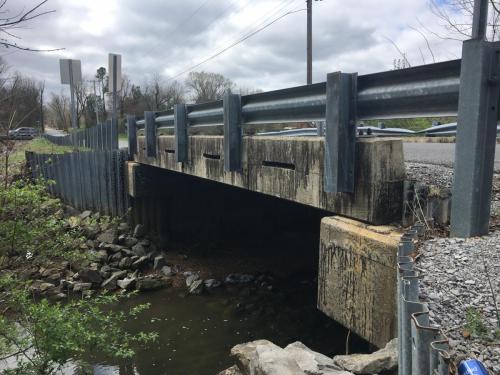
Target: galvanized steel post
<point x="340" y="132"/>
<point x="476" y="138"/>
<point x="181" y="133"/>
<point x="150" y="132"/>
<point x="132" y="136"/>
<point x="232" y="132"/>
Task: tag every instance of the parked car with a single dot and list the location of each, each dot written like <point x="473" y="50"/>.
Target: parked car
<point x="23" y="133"/>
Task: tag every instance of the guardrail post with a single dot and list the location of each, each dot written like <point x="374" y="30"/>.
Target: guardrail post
<point x="132" y="136"/>
<point x="232" y="132"/>
<point x="150" y="132"/>
<point x="476" y="138"/>
<point x="180" y="132"/>
<point x="340" y="132"/>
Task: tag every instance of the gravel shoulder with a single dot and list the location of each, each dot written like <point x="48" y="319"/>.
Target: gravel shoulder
<point x="457" y="288"/>
<point x="441" y="176"/>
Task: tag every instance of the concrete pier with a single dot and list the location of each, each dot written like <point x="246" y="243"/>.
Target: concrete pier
<point x="357" y="277"/>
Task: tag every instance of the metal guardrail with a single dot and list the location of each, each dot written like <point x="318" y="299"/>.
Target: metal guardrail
<point x="445" y="130"/>
<point x="99" y="137"/>
<point x="429" y="90"/>
<point x="424" y="91"/>
<point x="422" y="348"/>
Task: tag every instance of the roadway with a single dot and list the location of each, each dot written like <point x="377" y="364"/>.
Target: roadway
<point x="437" y="153"/>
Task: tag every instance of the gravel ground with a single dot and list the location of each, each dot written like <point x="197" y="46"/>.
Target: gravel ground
<point x="442" y="177"/>
<point x="454" y="283"/>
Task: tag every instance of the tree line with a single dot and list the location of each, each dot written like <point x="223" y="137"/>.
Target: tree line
<point x="155" y="94"/>
<point x="23" y="102"/>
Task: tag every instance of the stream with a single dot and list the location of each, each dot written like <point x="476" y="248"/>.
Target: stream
<point x="196" y="333"/>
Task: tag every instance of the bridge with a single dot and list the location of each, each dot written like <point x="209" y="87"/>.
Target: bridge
<point x="360" y="179"/>
<point x="357" y="177"/>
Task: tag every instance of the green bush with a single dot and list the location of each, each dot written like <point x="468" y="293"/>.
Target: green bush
<point x="44" y="336"/>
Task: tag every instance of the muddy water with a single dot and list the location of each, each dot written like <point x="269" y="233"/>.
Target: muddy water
<point x="196" y="333"/>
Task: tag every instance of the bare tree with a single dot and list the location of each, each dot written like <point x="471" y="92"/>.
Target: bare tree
<point x="59" y="111"/>
<point x="11" y="20"/>
<point x="205" y="86"/>
<point x="20" y="95"/>
<point x="159" y="95"/>
<point x="456" y="19"/>
<point x="41" y="87"/>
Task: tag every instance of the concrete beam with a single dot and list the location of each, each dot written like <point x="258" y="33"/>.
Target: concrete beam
<point x="357" y="277"/>
<point x="292" y="169"/>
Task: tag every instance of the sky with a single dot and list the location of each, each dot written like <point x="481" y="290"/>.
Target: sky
<point x="169" y="37"/>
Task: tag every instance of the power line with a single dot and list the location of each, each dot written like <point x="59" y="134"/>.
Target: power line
<point x="235" y="44"/>
<point x="189" y="17"/>
<point x="284" y="4"/>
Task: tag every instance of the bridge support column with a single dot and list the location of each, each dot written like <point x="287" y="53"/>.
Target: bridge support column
<point x="357" y="277"/>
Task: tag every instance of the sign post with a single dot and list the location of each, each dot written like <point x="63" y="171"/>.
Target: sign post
<point x="115" y="78"/>
<point x="71" y="74"/>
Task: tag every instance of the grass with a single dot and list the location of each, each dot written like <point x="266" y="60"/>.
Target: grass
<point x="415" y="124"/>
<point x="17" y="156"/>
<point x="122" y="136"/>
<point x="39" y="145"/>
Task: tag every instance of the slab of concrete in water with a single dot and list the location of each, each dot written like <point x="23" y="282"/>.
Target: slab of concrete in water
<point x="292" y="168"/>
<point x="357" y="277"/>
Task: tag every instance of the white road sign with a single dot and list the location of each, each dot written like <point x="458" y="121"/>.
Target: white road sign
<point x="70" y="68"/>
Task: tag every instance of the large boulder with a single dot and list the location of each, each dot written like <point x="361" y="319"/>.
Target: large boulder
<point x="139" y="250"/>
<point x="152" y="283"/>
<point x="262" y="357"/>
<point x="233" y="370"/>
<point x="196" y="287"/>
<point x="191" y="279"/>
<point x="90" y="276"/>
<point x="111" y="282"/>
<point x="385" y="359"/>
<point x="108" y="236"/>
<point x="311" y="362"/>
<point x="139" y="231"/>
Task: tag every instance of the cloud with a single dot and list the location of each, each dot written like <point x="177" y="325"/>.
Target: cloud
<point x="158" y="36"/>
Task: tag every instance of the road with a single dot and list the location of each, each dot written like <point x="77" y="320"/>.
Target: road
<point x="55" y="132"/>
<point x="429" y="153"/>
<point x="437" y="153"/>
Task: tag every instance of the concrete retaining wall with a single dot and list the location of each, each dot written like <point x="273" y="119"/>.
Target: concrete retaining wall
<point x="292" y="169"/>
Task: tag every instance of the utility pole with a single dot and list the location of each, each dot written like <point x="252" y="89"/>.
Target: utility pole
<point x="42" y="120"/>
<point x="309" y="42"/>
<point x="96" y="105"/>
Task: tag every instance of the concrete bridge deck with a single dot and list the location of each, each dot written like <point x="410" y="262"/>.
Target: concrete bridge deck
<point x="292" y="169"/>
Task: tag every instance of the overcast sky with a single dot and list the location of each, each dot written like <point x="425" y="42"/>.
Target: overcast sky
<point x="167" y="37"/>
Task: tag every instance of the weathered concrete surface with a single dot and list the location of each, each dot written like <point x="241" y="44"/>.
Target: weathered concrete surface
<point x="357" y="277"/>
<point x="292" y="169"/>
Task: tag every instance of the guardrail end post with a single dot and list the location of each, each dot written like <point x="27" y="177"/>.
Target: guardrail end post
<point x="340" y="132"/>
<point x="232" y="132"/>
<point x="476" y="138"/>
<point x="181" y="133"/>
<point x="150" y="132"/>
<point x="132" y="136"/>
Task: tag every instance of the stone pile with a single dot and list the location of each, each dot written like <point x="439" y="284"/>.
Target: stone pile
<point x="262" y="357"/>
<point x="118" y="259"/>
